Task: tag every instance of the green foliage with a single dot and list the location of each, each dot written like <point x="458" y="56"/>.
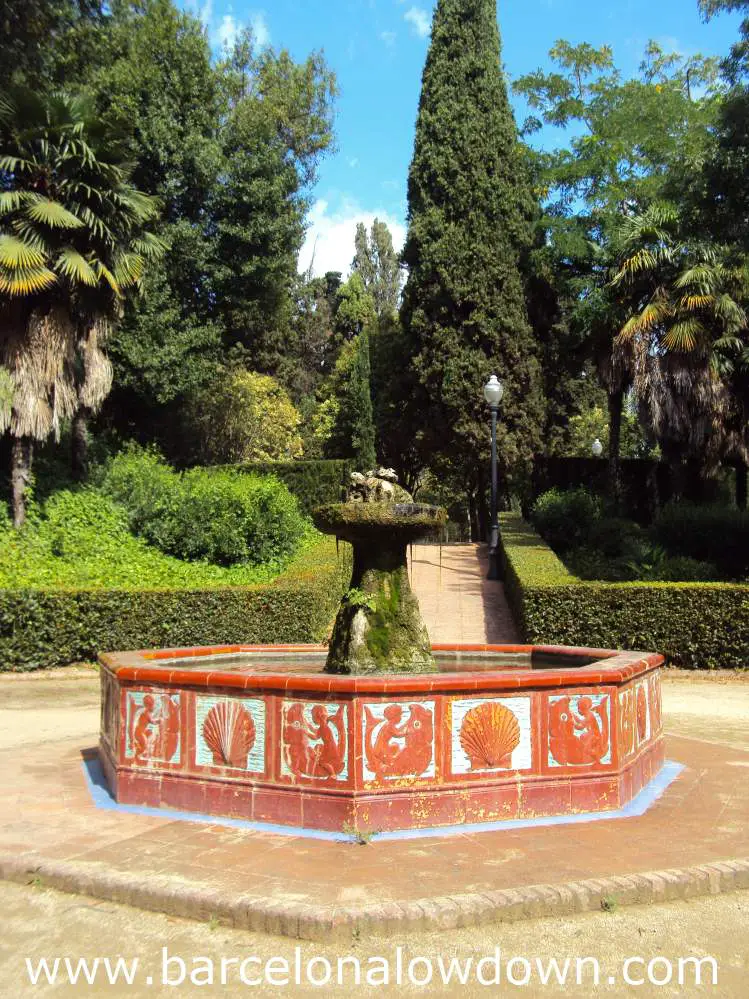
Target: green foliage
<point x="50" y="626"/>
<point x="216" y="516"/>
<point x="714" y="534"/>
<point x="83" y="539"/>
<point x="470" y="204"/>
<point x="376" y="262"/>
<point x="313" y="483"/>
<point x="686" y="543"/>
<point x="696" y="625"/>
<point x="353" y="434"/>
<point x="244" y="416"/>
<point x="593" y="423"/>
<point x="565" y="517"/>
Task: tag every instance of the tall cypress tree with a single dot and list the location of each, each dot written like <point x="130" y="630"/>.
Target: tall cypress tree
<point x="470" y="206"/>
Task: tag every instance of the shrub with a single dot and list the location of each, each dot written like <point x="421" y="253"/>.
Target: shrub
<point x="51" y="626"/>
<point x="565" y="517"/>
<point x="617" y="538"/>
<point x="313" y="483"/>
<point x="218" y="516"/>
<point x="696" y="625"/>
<point x="714" y="534"/>
<point x="82" y="538"/>
<point x="682" y="569"/>
<point x="245" y="416"/>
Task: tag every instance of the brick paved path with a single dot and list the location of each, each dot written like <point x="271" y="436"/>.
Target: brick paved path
<point x="458" y="603"/>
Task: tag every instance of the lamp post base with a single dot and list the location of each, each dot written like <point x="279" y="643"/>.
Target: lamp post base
<point x="494" y="572"/>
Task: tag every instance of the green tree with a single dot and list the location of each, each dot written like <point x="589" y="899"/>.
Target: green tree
<point x="377" y="264"/>
<point x="245" y="416"/>
<point x="721" y="192"/>
<point x="354" y="309"/>
<point x="470" y="202"/>
<point x="686" y="334"/>
<point x="155" y="84"/>
<point x="629" y="142"/>
<point x="74" y="242"/>
<point x="352" y="434"/>
<point x="46" y="42"/>
<point x="278" y="125"/>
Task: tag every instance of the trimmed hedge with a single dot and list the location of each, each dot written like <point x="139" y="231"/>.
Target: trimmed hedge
<point x="314" y="483"/>
<point x="695" y="625"/>
<point x="55" y="627"/>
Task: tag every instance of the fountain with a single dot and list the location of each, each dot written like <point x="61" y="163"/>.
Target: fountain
<point x="381" y="731"/>
<point x="379" y="627"/>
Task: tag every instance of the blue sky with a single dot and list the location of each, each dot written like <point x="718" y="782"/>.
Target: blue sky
<point x="377" y="50"/>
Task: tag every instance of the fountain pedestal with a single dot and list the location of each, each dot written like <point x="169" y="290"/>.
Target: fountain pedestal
<point x="379" y="627"/>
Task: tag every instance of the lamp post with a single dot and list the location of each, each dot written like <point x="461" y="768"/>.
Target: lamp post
<point x="493" y="393"/>
<point x="597" y="448"/>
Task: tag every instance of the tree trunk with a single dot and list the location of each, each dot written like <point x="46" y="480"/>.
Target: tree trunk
<point x="79" y="444"/>
<point x="742" y="484"/>
<point x="20" y="477"/>
<point x="616" y="405"/>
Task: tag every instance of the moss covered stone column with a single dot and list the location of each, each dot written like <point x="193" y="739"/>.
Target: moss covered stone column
<point x="379" y="627"/>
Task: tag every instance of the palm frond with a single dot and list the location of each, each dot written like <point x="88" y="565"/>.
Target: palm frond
<point x="16" y="254"/>
<point x="22" y="281"/>
<point x="128" y="269"/>
<point x="108" y="277"/>
<point x="684" y="336"/>
<point x="52" y="214"/>
<point x="74" y="266"/>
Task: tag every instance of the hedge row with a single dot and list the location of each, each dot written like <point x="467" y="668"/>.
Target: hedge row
<point x="695" y="625"/>
<point x="314" y="483"/>
<point x="55" y="627"/>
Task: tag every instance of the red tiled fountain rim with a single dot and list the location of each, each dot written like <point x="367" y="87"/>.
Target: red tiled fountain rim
<point x="609" y="667"/>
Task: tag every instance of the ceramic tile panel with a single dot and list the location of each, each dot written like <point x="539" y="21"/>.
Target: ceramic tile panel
<point x="489" y="735"/>
<point x="230" y="733"/>
<point x="398" y="740"/>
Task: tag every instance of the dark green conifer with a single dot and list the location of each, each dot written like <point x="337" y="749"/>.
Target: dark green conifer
<point x="470" y="206"/>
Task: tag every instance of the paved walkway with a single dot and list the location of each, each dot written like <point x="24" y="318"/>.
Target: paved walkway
<point x="458" y="603"/>
<point x="49" y="828"/>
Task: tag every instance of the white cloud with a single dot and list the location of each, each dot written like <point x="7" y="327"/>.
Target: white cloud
<point x="206" y="13"/>
<point x="227" y="31"/>
<point x="419" y="20"/>
<point x="388" y="37"/>
<point x="329" y="244"/>
<point x="353" y="162"/>
<point x="260" y="30"/>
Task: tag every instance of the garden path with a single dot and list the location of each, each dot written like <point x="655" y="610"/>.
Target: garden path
<point x="458" y="603"/>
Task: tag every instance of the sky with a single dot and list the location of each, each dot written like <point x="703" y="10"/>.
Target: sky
<point x="377" y="50"/>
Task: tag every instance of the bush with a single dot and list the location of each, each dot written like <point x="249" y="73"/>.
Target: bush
<point x="313" y="483"/>
<point x="245" y="416"/>
<point x="696" y="625"/>
<point x="565" y="517"/>
<point x="682" y="569"/>
<point x="218" y="516"/>
<point x="51" y="626"/>
<point x="714" y="534"/>
<point x="82" y="538"/>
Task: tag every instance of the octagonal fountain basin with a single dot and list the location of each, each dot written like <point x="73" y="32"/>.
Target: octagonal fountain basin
<point x="262" y="734"/>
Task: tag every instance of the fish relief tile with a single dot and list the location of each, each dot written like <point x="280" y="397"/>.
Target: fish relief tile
<point x="398" y="740"/>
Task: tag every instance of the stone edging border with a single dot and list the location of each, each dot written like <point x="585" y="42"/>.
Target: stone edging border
<point x="325" y="923"/>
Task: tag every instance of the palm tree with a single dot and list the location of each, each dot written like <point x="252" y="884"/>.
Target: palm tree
<point x="73" y="244"/>
<point x="685" y="336"/>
